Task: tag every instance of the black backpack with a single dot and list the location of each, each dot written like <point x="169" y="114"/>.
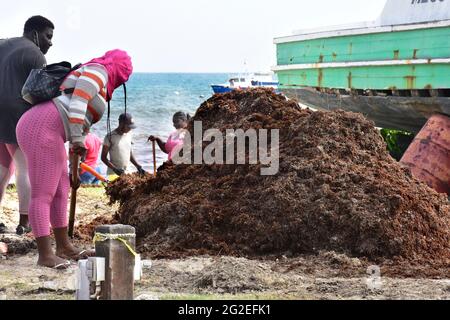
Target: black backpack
<point x="44" y="84"/>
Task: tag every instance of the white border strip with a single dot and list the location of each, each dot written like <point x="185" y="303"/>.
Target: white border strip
<point x="360" y="31"/>
<point x="359" y="64"/>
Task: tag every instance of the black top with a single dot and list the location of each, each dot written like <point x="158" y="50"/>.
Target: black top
<point x="18" y="56"/>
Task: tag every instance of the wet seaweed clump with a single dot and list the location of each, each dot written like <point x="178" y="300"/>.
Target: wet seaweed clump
<point x="337" y="189"/>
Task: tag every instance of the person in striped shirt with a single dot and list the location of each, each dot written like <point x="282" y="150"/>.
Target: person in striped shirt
<point x="42" y="133"/>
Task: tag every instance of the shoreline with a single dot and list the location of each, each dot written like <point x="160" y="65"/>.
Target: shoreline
<point x="324" y="276"/>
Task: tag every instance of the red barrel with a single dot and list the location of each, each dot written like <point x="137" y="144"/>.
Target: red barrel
<point x="428" y="156"/>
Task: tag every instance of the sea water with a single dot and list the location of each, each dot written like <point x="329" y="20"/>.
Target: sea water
<point x="152" y="99"/>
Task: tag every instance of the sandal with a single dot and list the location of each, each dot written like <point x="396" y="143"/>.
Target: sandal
<point x="62" y="266"/>
<point x="21" y="230"/>
<point x="83" y="254"/>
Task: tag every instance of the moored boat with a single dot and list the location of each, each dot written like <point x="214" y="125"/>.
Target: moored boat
<point x="395" y="70"/>
<point x="254" y="80"/>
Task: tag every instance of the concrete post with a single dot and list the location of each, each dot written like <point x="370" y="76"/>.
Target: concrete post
<point x="120" y="261"/>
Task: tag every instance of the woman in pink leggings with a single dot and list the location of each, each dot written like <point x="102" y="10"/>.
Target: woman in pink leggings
<point x="42" y="133"/>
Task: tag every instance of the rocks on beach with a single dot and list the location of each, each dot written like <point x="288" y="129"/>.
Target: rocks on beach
<point x="11" y="244"/>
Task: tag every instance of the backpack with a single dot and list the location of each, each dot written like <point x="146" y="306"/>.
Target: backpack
<point x="44" y="84"/>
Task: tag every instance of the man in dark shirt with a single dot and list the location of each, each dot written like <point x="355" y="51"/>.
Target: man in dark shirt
<point x="18" y="56"/>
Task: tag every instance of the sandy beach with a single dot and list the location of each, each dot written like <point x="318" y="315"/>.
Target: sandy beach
<point x="348" y="231"/>
<point x="324" y="276"/>
<point x="263" y="151"/>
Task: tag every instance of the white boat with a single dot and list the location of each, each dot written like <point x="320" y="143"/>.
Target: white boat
<point x="253" y="80"/>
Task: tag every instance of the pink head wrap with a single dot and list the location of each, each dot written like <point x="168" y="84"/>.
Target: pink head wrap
<point x="119" y="67"/>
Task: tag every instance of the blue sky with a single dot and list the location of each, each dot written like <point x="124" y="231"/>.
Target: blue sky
<point x="181" y="35"/>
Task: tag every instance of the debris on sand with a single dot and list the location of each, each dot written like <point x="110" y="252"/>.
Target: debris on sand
<point x="3" y="248"/>
<point x="86" y="231"/>
<point x="14" y="244"/>
<point x="234" y="275"/>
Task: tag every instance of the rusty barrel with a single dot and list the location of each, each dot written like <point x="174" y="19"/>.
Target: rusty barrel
<point x="428" y="156"/>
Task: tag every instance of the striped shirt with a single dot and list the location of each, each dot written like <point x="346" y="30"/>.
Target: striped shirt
<point x="87" y="104"/>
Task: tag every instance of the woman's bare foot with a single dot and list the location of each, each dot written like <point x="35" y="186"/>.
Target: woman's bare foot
<point x="46" y="256"/>
<point x="54" y="262"/>
<point x="65" y="248"/>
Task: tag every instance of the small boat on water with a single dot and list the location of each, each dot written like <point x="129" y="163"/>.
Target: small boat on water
<point x="253" y="80"/>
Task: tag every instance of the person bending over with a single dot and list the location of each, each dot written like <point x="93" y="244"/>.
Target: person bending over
<point x="42" y="132"/>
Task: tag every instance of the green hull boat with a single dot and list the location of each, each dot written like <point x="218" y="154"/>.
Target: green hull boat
<point x="395" y="70"/>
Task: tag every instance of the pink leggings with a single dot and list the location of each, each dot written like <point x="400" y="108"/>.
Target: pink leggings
<point x="11" y="157"/>
<point x="41" y="136"/>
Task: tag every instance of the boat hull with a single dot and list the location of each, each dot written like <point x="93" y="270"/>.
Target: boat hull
<point x="221" y="89"/>
<point x="224" y="89"/>
<point x="396" y="76"/>
<point x="392" y="112"/>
